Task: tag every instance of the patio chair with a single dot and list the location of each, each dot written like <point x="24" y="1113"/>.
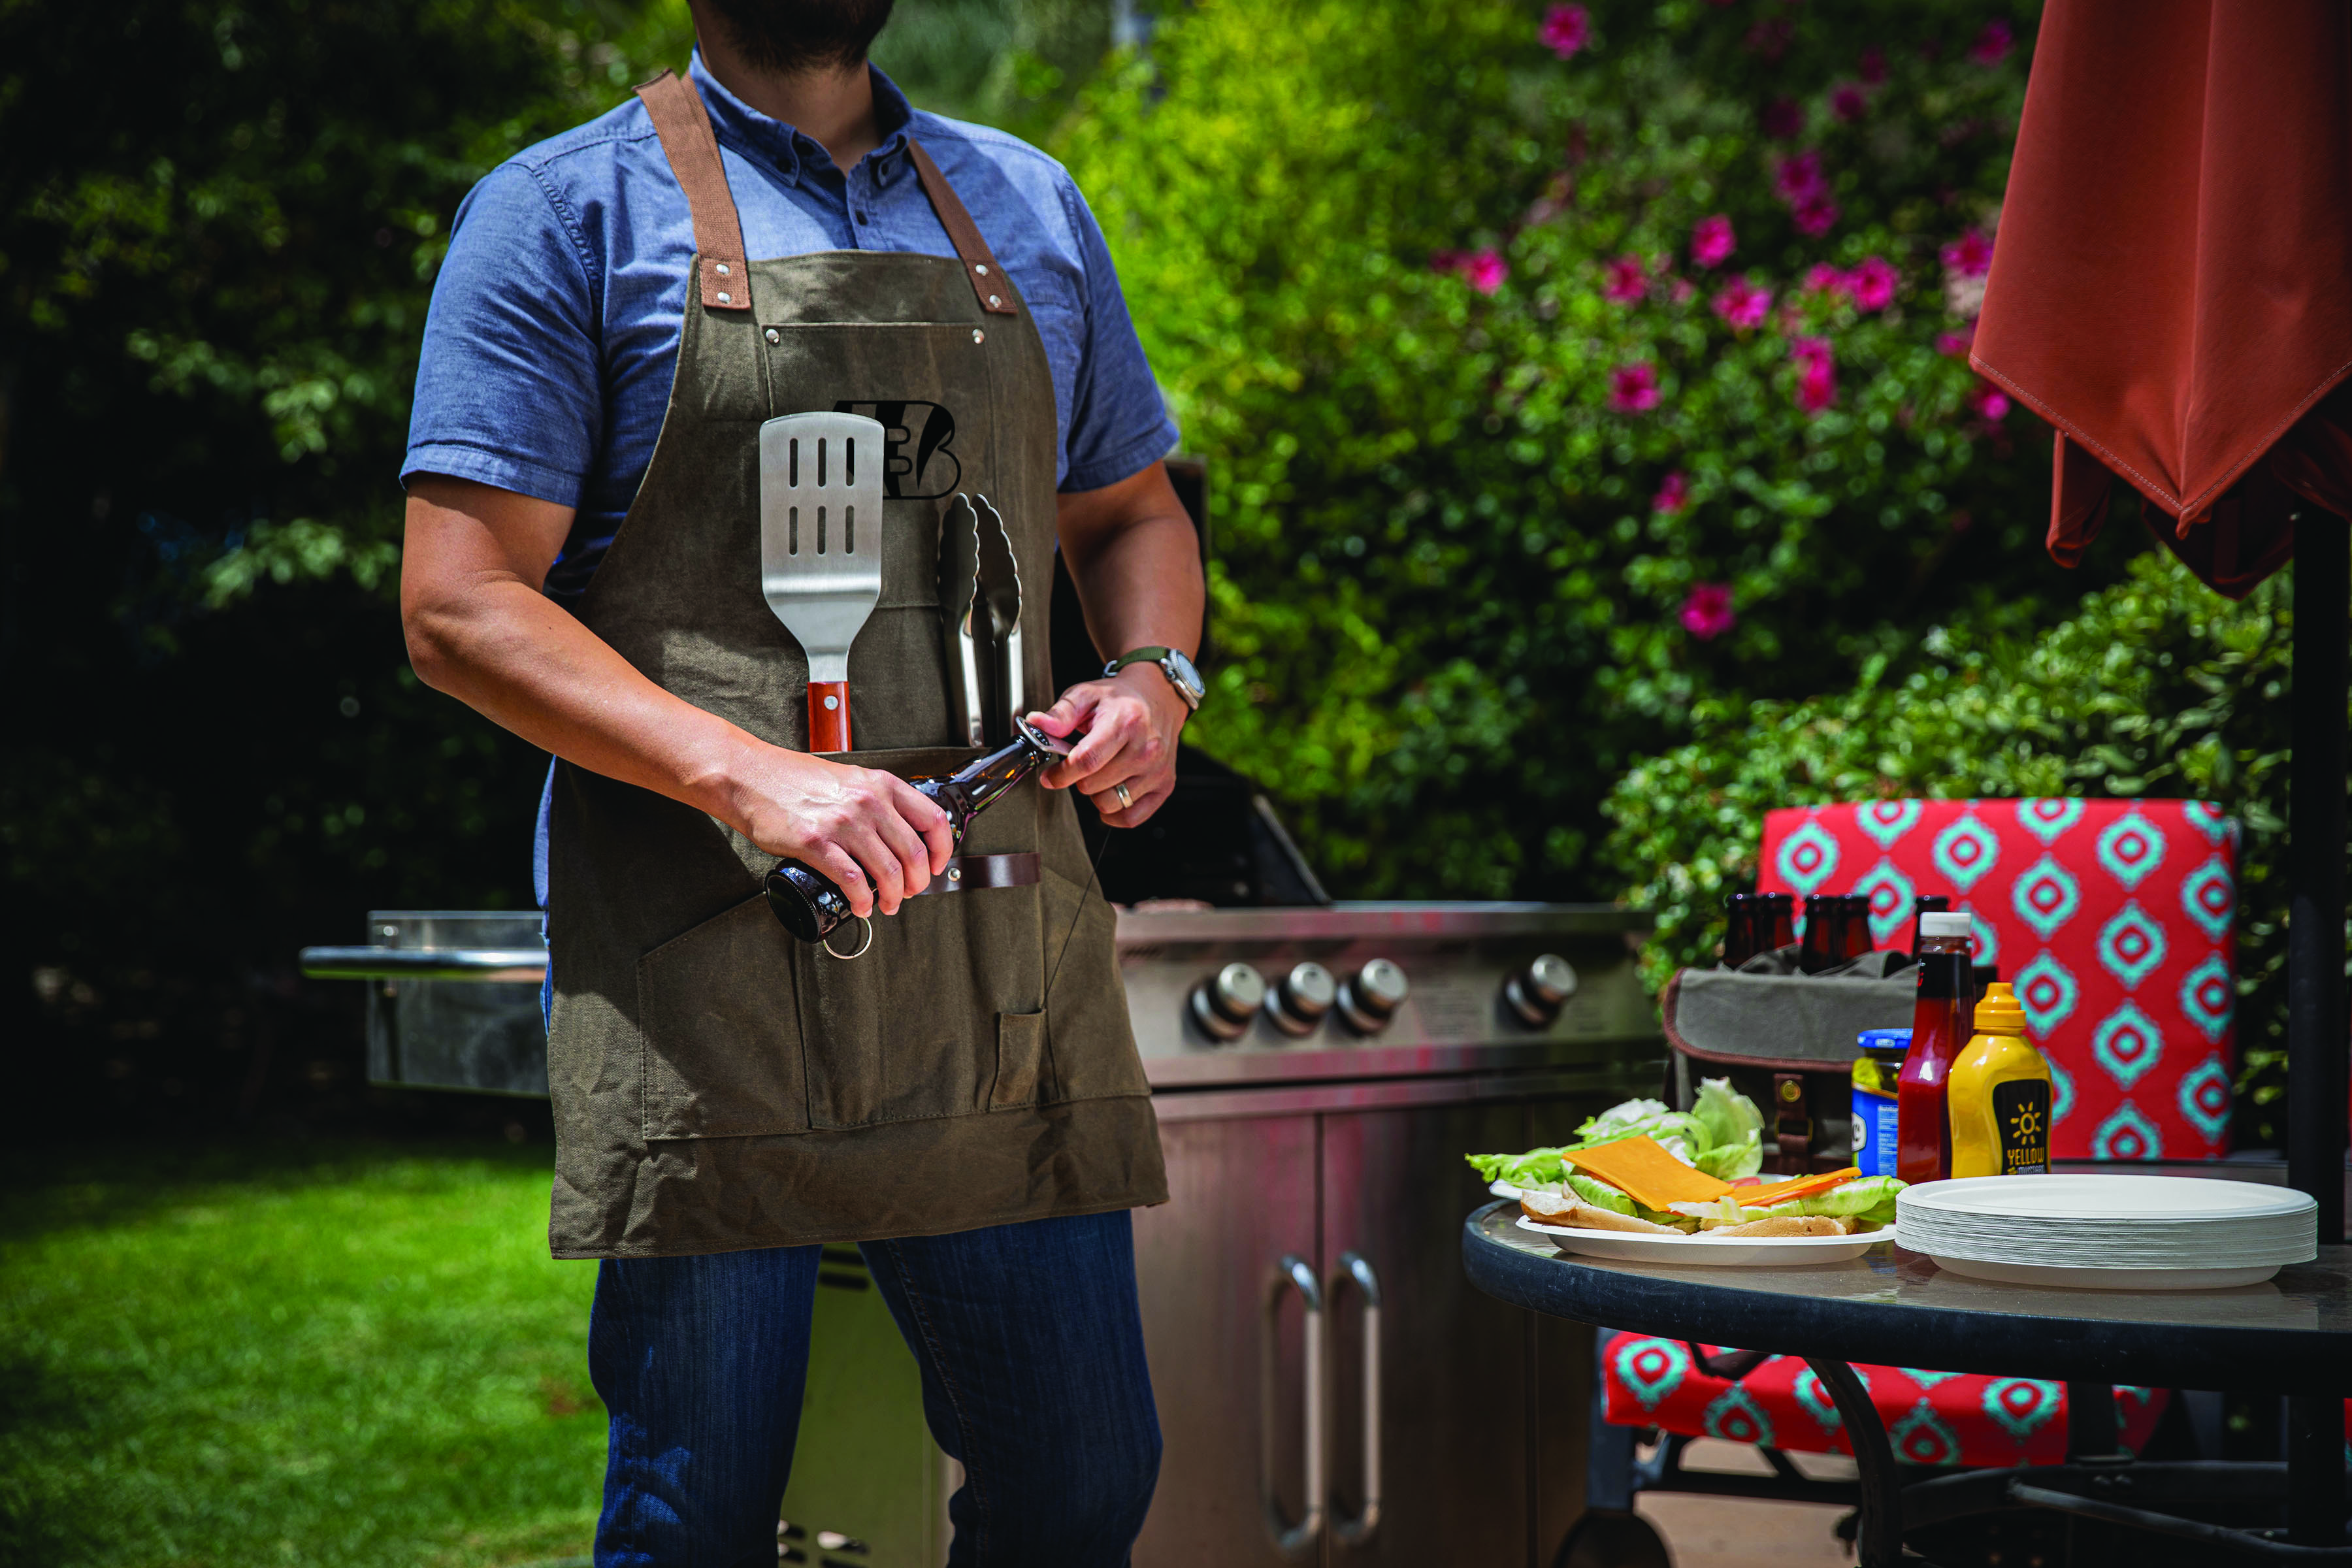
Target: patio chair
<point x="2114" y="919"/>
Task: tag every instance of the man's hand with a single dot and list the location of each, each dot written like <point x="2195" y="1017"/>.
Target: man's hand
<point x="878" y="838"/>
<point x="1130" y="723"/>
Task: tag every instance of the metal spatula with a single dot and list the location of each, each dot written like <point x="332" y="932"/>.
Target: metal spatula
<point x="999" y="590"/>
<point x="821" y="548"/>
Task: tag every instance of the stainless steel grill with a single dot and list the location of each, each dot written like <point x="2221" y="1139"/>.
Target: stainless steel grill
<point x="1331" y="1388"/>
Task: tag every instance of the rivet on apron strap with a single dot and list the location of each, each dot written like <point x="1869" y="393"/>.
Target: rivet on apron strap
<point x="687" y="140"/>
<point x="979" y="261"/>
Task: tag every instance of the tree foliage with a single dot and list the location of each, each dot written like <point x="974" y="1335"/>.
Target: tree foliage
<point x="1514" y="466"/>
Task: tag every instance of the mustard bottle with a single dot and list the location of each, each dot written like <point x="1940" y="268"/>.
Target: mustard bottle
<point x="1998" y="1101"/>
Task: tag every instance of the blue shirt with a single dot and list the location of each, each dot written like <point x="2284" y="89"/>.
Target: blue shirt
<point x="554" y="327"/>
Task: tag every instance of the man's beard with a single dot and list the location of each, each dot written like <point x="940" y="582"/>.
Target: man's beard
<point x="795" y="36"/>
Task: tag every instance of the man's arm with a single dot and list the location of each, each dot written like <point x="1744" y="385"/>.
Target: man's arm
<point x="479" y="629"/>
<point x="1135" y="561"/>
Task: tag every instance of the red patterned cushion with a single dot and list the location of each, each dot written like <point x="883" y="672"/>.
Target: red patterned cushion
<point x="2114" y="919"/>
<point x="1933" y="1417"/>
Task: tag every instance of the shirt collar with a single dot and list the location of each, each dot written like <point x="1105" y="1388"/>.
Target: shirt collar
<point x="788" y="148"/>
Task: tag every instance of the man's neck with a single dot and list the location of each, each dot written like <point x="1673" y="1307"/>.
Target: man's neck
<point x="835" y="108"/>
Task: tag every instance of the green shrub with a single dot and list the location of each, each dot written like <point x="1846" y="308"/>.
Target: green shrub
<point x="1460" y="584"/>
<point x="2156" y="686"/>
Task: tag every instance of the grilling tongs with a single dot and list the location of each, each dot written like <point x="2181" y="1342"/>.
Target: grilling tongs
<point x="821" y="549"/>
<point x="980" y="617"/>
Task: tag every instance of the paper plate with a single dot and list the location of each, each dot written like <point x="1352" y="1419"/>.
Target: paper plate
<point x="1707" y="1251"/>
<point x="2138" y="1227"/>
<point x="2108" y="1278"/>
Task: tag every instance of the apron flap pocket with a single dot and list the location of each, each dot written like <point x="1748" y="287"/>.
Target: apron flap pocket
<point x="719" y="1014"/>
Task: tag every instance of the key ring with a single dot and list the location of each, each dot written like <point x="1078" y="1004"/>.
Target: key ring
<point x="862" y="946"/>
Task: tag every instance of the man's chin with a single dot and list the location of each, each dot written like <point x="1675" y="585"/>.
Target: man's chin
<point x="796" y="36"/>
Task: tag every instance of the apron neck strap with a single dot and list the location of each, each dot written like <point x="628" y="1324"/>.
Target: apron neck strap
<point x="979" y="261"/>
<point x="684" y="126"/>
<point x="687" y="140"/>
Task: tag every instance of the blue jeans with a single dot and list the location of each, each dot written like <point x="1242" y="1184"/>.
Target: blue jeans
<point x="1031" y="1347"/>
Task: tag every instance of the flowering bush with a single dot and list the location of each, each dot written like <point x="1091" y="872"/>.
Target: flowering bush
<point x="1562" y="367"/>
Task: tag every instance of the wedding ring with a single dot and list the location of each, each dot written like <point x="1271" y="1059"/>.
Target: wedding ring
<point x="1124" y="801"/>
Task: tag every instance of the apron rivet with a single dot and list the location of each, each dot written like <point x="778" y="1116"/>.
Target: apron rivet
<point x="723" y="299"/>
<point x="955" y="873"/>
<point x="993" y="302"/>
<point x="722" y="270"/>
<point x="980" y="267"/>
<point x="774" y="336"/>
<point x="978" y="336"/>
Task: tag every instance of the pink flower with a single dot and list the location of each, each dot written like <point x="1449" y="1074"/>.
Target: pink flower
<point x="1782" y="119"/>
<point x="1816" y="218"/>
<point x="1956" y="344"/>
<point x="1847" y="102"/>
<point x="1625" y="281"/>
<point x="1483" y="269"/>
<point x="1873" y="65"/>
<point x="1823" y="279"/>
<point x="1817" y="379"/>
<point x="1742" y="304"/>
<point x="1970" y="255"/>
<point x="1989" y="401"/>
<point x="1993" y="45"/>
<point x="1681" y="290"/>
<point x="1566" y="29"/>
<point x="1673" y="494"/>
<point x="1873" y="284"/>
<point x="1706" y="614"/>
<point x="1712" y="241"/>
<point x="1797" y="178"/>
<point x="1633" y="388"/>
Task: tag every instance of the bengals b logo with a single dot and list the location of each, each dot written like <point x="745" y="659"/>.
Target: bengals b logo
<point x="917" y="464"/>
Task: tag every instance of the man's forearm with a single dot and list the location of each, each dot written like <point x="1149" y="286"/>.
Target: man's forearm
<point x="1135" y="561"/>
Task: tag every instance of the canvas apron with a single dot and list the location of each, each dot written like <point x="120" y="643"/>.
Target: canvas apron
<point x="717" y="1084"/>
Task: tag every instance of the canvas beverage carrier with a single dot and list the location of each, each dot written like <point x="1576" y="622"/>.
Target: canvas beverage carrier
<point x="717" y="1084"/>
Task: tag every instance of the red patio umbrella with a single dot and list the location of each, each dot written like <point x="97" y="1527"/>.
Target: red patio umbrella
<point x="2171" y="288"/>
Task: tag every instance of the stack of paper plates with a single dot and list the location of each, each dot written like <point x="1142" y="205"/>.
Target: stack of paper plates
<point x="2116" y="1233"/>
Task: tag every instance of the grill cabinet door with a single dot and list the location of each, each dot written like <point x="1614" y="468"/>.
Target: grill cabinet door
<point x="1459" y="1407"/>
<point x="1241" y="1196"/>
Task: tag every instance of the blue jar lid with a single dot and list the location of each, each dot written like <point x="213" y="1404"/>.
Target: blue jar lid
<point x="1885" y="1039"/>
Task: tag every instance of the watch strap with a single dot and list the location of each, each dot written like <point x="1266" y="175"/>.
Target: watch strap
<point x="1134" y="656"/>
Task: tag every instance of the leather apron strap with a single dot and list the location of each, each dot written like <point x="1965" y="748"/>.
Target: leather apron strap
<point x="687" y="140"/>
<point x="684" y="126"/>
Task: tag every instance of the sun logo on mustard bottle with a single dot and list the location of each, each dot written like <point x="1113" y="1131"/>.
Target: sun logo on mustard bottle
<point x="2000" y="1094"/>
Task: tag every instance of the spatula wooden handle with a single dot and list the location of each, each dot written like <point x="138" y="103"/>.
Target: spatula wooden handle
<point x="828" y="715"/>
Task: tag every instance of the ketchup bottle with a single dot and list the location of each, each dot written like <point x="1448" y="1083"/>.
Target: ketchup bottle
<point x="1940" y="1021"/>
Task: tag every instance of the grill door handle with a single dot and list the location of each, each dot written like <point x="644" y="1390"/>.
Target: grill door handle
<point x="1356" y="1267"/>
<point x="1293" y="1539"/>
<point x="517" y="965"/>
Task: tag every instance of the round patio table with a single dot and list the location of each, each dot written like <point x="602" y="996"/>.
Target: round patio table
<point x="2291" y="1336"/>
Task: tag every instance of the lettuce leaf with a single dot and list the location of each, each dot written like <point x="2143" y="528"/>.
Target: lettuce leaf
<point x="1618" y="1120"/>
<point x="1599" y="1193"/>
<point x="1730" y="1119"/>
<point x="1729" y="1162"/>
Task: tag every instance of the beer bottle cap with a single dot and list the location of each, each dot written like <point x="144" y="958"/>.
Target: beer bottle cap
<point x="1936" y="922"/>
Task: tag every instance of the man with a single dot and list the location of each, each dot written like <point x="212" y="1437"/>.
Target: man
<point x="622" y="309"/>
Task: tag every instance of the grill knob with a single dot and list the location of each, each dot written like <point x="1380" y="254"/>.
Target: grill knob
<point x="1369" y="997"/>
<point x="1223" y="1004"/>
<point x="1302" y="997"/>
<point x="1536" y="992"/>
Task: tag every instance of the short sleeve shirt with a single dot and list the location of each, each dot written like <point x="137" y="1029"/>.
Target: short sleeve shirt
<point x="553" y="332"/>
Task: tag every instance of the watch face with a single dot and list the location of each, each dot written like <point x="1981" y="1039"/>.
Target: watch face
<point x="1179" y="670"/>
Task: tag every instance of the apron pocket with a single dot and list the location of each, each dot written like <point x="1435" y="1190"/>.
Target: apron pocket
<point x="719" y="1019"/>
<point x="1020" y="1052"/>
<point x="909" y="1031"/>
<point x="1088" y="1032"/>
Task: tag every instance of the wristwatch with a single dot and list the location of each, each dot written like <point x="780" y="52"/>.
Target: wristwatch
<point x="1172" y="663"/>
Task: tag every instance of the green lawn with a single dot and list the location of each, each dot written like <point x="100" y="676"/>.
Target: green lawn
<point x="322" y="1354"/>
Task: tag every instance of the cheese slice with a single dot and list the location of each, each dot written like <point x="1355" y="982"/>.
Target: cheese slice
<point x="1795" y="1187"/>
<point x="1645" y="1173"/>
